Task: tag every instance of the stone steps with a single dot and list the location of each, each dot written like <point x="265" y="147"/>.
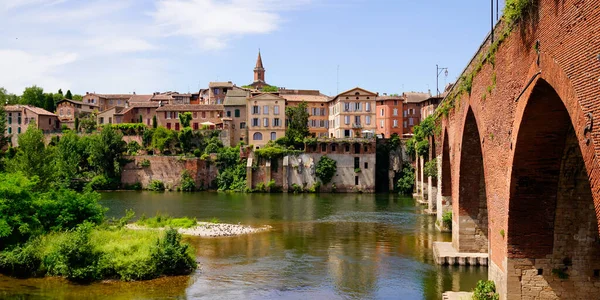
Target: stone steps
<point x="445" y="254"/>
<point x="457" y="296"/>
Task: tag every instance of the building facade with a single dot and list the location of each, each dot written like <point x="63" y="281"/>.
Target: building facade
<point x="106" y="101"/>
<point x="67" y="110"/>
<point x="266" y="119"/>
<point x="217" y="91"/>
<point x="390" y="116"/>
<point x="203" y="116"/>
<point x="412" y="110"/>
<point x="352" y="114"/>
<point x="236" y="112"/>
<point x="317" y="105"/>
<point x="20" y="117"/>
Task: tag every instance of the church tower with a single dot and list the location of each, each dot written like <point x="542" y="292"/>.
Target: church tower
<point x="259" y="70"/>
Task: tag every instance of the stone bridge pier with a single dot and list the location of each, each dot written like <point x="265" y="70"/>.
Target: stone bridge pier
<point x="518" y="153"/>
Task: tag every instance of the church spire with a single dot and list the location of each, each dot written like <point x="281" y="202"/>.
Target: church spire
<point x="259" y="64"/>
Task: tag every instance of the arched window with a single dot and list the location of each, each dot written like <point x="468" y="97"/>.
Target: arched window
<point x="257" y="136"/>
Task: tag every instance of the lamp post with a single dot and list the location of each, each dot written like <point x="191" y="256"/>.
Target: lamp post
<point x="438" y="71"/>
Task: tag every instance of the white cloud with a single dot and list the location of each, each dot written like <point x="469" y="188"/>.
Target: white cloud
<point x="213" y="23"/>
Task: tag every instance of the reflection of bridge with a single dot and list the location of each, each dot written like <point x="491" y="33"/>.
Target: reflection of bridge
<point x="517" y="153"/>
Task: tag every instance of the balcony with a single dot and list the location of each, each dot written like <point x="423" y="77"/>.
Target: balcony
<point x="357" y="125"/>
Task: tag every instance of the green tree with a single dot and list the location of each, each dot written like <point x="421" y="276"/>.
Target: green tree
<point x="88" y="124"/>
<point x="33" y="96"/>
<point x="269" y="89"/>
<point x="154" y="122"/>
<point x="60" y="92"/>
<point x="326" y="169"/>
<point x="49" y="103"/>
<point x="68" y="95"/>
<point x="69" y="156"/>
<point x="32" y="157"/>
<point x="185" y="139"/>
<point x="141" y="119"/>
<point x="185" y="119"/>
<point x="3" y="139"/>
<point x="77" y="97"/>
<point x="163" y="139"/>
<point x="76" y="124"/>
<point x="17" y="214"/>
<point x="297" y="128"/>
<point x="106" y="152"/>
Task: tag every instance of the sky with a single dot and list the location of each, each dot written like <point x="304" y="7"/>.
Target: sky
<point x="145" y="46"/>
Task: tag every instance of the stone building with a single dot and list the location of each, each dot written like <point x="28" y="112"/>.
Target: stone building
<point x="236" y="112"/>
<point x="209" y="116"/>
<point x="138" y="111"/>
<point x="20" y="117"/>
<point x="318" y="108"/>
<point x="106" y="101"/>
<point x="352" y="114"/>
<point x="266" y="119"/>
<point x="389" y="116"/>
<point x="67" y="110"/>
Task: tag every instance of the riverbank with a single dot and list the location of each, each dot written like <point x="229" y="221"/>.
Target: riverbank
<point x="208" y="229"/>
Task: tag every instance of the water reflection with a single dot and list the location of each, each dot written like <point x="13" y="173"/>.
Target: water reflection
<point x="321" y="246"/>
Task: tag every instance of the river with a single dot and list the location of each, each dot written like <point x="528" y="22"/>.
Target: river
<point x="328" y="246"/>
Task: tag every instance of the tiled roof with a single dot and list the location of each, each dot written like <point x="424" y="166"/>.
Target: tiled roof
<point x="235" y="97"/>
<point x="220" y="84"/>
<point x="140" y="98"/>
<point x="414" y="97"/>
<point x="191" y="107"/>
<point x="307" y="98"/>
<point x="115" y="96"/>
<point x="144" y="104"/>
<point x="158" y="97"/>
<point x="36" y="110"/>
<point x="76" y="102"/>
<point x="390" y="98"/>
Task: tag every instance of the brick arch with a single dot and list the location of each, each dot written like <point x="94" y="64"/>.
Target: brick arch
<point x="446" y="179"/>
<point x="470" y="217"/>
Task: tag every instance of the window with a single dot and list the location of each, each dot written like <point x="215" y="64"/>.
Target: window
<point x="411" y="122"/>
<point x="195" y="126"/>
<point x="237" y="113"/>
<point x="405" y="113"/>
<point x="9" y="118"/>
<point x="266" y="109"/>
<point x="257" y="136"/>
<point x="203" y="115"/>
<point x="195" y="115"/>
<point x="216" y="91"/>
<point x="357" y="120"/>
<point x="381" y="123"/>
<point x="368" y="120"/>
<point x="168" y="125"/>
<point x="273" y="136"/>
<point x="395" y="123"/>
<point x="276" y="122"/>
<point x="323" y="147"/>
<point x="357" y="106"/>
<point x="404" y="123"/>
<point x="395" y="102"/>
<point x="176" y="126"/>
<point x="347" y="133"/>
<point x="382" y="112"/>
<point x="266" y="122"/>
<point x="242" y="125"/>
<point x="355" y="180"/>
<point x="19" y="118"/>
<point x="395" y="111"/>
<point x="346" y="120"/>
<point x="346" y="106"/>
<point x="276" y="109"/>
<point x="366" y="165"/>
<point x="255" y="110"/>
<point x="368" y="106"/>
<point x="9" y="130"/>
<point x="255" y="122"/>
<point x="147" y="110"/>
<point x="19" y="130"/>
<point x="229" y="114"/>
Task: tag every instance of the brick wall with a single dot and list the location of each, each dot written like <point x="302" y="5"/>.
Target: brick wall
<point x="168" y="169"/>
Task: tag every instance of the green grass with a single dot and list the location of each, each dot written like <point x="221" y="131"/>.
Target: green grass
<point x="160" y="221"/>
<point x="117" y="254"/>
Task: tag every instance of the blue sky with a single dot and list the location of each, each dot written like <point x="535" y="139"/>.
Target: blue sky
<point x="121" y="46"/>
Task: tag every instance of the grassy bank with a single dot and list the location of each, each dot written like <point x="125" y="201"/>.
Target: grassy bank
<point x="92" y="253"/>
<point x="160" y="221"/>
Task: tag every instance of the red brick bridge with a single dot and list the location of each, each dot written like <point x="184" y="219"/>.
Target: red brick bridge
<point x="517" y="153"/>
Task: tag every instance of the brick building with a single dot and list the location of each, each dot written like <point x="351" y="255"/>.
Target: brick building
<point x="202" y="115"/>
<point x="259" y="74"/>
<point x="390" y="116"/>
<point x="352" y="114"/>
<point x="67" y="110"/>
<point x="412" y="110"/>
<point x="266" y="119"/>
<point x="429" y="105"/>
<point x="19" y="117"/>
<point x="106" y="101"/>
<point x="318" y="108"/>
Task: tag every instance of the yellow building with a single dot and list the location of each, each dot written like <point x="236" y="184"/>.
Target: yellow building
<point x="266" y="119"/>
<point x="352" y="114"/>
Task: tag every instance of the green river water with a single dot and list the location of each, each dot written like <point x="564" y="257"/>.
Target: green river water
<point x="328" y="246"/>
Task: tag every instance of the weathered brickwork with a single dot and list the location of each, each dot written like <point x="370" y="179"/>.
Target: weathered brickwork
<point x="522" y="153"/>
<point x="168" y="169"/>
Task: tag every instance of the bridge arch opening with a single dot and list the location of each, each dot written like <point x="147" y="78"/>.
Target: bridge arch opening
<point x="446" y="179"/>
<point x="470" y="228"/>
<point x="552" y="234"/>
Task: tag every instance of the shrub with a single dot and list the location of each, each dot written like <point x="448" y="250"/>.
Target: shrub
<point x="161" y="221"/>
<point x="145" y="163"/>
<point x="326" y="169"/>
<point x="273" y="187"/>
<point x="102" y="183"/>
<point x="296" y="188"/>
<point x="260" y="188"/>
<point x="156" y="185"/>
<point x="79" y="257"/>
<point x="407" y="180"/>
<point x="133" y="147"/>
<point x="485" y="290"/>
<point x="447" y="219"/>
<point x="187" y="182"/>
<point x="315" y="188"/>
<point x="173" y="257"/>
<point x="21" y="261"/>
